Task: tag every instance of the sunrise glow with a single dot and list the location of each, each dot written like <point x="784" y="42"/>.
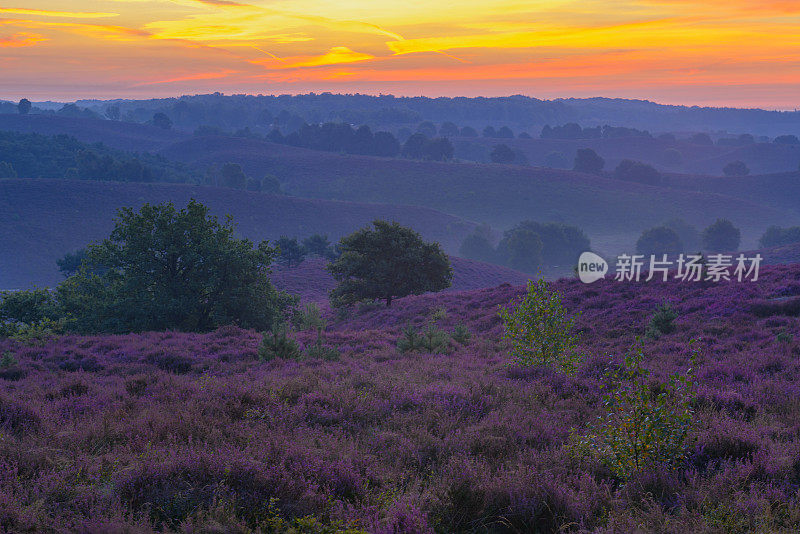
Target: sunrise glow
<point x="672" y="51"/>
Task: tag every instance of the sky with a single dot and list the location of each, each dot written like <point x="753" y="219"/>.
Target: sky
<point x="739" y="53"/>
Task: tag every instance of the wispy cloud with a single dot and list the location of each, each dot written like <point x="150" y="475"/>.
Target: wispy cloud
<point x="21" y="39"/>
<point x="57" y="14"/>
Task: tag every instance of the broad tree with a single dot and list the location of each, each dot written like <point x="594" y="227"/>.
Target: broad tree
<point x="721" y="236"/>
<point x="24" y="106"/>
<point x="386" y="262"/>
<point x="170" y="269"/>
<point x="587" y="160"/>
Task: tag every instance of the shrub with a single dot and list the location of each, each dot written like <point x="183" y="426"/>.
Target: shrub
<point x="636" y="171"/>
<point x="320" y="351"/>
<point x="736" y="168"/>
<point x="277" y="344"/>
<point x="431" y="340"/>
<point x="659" y="240"/>
<point x="662" y="321"/>
<point x="782" y="337"/>
<point x="461" y="334"/>
<point x="8" y="360"/>
<point x="587" y="160"/>
<point x="309" y="317"/>
<point x="776" y="236"/>
<point x="721" y="236"/>
<point x="38" y="333"/>
<point x="540" y="330"/>
<point x="642" y="425"/>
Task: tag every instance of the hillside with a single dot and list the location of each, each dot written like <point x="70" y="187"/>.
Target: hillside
<point x="115" y="134"/>
<point x="760" y="158"/>
<point x="159" y="427"/>
<point x="312" y="283"/>
<point x="501" y="195"/>
<point x="41" y="220"/>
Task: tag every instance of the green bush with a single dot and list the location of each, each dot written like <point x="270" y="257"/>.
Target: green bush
<point x="432" y="340"/>
<point x="662" y="321"/>
<point x="784" y="337"/>
<point x="277" y="344"/>
<point x="309" y="317"/>
<point x="461" y="334"/>
<point x="8" y="360"/>
<point x="320" y="351"/>
<point x="642" y="424"/>
<point x="540" y="331"/>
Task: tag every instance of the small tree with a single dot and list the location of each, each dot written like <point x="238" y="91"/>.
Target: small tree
<point x="721" y="236"/>
<point x="540" y="330"/>
<point x="641" y="425"/>
<point x="290" y="253"/>
<point x="232" y="175"/>
<point x="318" y="245"/>
<point x="24" y="106"/>
<point x="587" y="160"/>
<point x="386" y="262"/>
<point x="502" y="154"/>
<point x="659" y="240"/>
<point x="162" y="121"/>
<point x="636" y="171"/>
<point x="736" y="168"/>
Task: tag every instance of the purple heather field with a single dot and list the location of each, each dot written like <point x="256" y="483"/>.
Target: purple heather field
<point x="192" y="433"/>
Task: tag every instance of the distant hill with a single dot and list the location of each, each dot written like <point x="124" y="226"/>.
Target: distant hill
<point x="501" y="195"/>
<point x="41" y="220"/>
<point x="312" y="282"/>
<point x="760" y="158"/>
<point x="122" y="135"/>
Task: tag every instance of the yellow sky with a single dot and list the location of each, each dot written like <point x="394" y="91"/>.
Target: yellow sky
<point x="714" y="52"/>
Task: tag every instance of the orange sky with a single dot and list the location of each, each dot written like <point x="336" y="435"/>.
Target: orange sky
<point x="715" y="52"/>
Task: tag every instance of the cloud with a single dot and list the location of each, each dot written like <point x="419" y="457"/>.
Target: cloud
<point x="335" y="56"/>
<point x="57" y="14"/>
<point x="21" y="39"/>
<point x="190" y="77"/>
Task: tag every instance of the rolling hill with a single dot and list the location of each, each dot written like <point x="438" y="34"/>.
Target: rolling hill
<point x="122" y="135"/>
<point x="312" y="282"/>
<point x="608" y="210"/>
<point x="41" y="220"/>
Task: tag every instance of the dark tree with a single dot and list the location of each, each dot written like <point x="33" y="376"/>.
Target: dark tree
<point x="414" y="146"/>
<point x="721" y="236"/>
<point x="290" y="253"/>
<point x="169" y="269"/>
<point x="502" y="154"/>
<point x="71" y="262"/>
<point x="478" y="245"/>
<point x="522" y="249"/>
<point x="112" y="113"/>
<point x="162" y="121"/>
<point x="318" y="245"/>
<point x="636" y="171"/>
<point x="787" y="140"/>
<point x="271" y="184"/>
<point x="387" y="262"/>
<point x="386" y="145"/>
<point x="427" y="128"/>
<point x="232" y="175"/>
<point x="736" y="168"/>
<point x="587" y="160"/>
<point x="659" y="240"/>
<point x="24" y="106"/>
<point x="7" y="170"/>
<point x="448" y="129"/>
<point x="505" y="133"/>
<point x="776" y="236"/>
<point x="439" y="149"/>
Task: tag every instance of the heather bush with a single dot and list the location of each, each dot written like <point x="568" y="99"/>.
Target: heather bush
<point x="662" y="321"/>
<point x="8" y="360"/>
<point x="277" y="344"/>
<point x="642" y="424"/>
<point x="540" y="330"/>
